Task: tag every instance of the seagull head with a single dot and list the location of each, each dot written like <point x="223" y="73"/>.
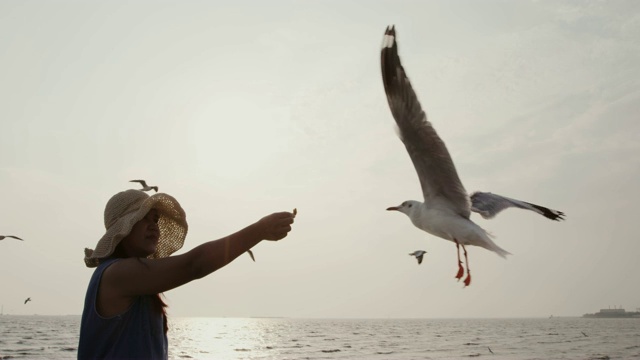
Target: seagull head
<point x="408" y="207"/>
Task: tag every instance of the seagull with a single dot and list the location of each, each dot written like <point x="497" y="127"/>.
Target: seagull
<point x="490" y="350"/>
<point x="2" y="237"/>
<point x="145" y="187"/>
<point x="584" y="334"/>
<point x="28" y="299"/>
<point x="447" y="206"/>
<point x="418" y="254"/>
<point x="251" y="254"/>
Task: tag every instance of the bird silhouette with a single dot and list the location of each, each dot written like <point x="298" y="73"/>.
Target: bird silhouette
<point x="2" y="237"/>
<point x="28" y="299"/>
<point x="418" y="254"/>
<point x="145" y="187"/>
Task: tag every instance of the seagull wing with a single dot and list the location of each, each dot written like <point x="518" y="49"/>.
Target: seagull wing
<point x="14" y="237"/>
<point x="489" y="205"/>
<point x="430" y="157"/>
<point x="142" y="182"/>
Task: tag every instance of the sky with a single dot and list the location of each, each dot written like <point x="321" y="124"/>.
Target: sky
<point x="243" y="108"/>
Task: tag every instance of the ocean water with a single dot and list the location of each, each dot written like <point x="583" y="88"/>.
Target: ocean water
<point x="56" y="337"/>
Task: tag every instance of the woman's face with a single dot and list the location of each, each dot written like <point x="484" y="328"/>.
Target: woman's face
<point x="142" y="241"/>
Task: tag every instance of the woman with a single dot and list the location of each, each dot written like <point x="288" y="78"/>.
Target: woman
<point x="124" y="316"/>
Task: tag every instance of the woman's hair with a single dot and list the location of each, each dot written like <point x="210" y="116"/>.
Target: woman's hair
<point x="160" y="306"/>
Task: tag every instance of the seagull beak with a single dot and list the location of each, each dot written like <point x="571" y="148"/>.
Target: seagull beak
<point x="393" y="208"/>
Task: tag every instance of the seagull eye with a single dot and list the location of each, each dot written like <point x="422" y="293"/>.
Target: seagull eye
<point x="410" y="205"/>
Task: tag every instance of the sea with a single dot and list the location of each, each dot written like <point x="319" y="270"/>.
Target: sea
<point x="56" y="337"/>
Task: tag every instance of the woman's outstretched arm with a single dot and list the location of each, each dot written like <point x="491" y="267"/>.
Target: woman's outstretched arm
<point x="132" y="277"/>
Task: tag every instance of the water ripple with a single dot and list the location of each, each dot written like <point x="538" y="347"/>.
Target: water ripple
<point x="41" y="337"/>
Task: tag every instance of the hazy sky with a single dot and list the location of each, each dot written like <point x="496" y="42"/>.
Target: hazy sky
<point x="243" y="108"/>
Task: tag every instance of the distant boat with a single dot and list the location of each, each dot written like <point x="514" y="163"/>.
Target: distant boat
<point x="613" y="313"/>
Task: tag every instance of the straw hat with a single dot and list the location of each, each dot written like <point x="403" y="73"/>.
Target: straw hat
<point x="128" y="207"/>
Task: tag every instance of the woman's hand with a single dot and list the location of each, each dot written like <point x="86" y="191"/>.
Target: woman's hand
<point x="275" y="226"/>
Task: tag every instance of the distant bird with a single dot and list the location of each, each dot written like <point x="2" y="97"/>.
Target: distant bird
<point x="2" y="237"/>
<point x="447" y="205"/>
<point x="584" y="334"/>
<point x="489" y="349"/>
<point x="418" y="254"/>
<point x="251" y="254"/>
<point x="489" y="205"/>
<point x="145" y="187"/>
<point x="28" y="299"/>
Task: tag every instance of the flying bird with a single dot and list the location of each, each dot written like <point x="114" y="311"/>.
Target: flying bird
<point x="145" y="187"/>
<point x="490" y="350"/>
<point x="447" y="206"/>
<point x="418" y="254"/>
<point x="28" y="299"/>
<point x="251" y="254"/>
<point x="2" y="237"/>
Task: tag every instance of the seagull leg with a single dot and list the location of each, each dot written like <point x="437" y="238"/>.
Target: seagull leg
<point x="460" y="269"/>
<point x="467" y="280"/>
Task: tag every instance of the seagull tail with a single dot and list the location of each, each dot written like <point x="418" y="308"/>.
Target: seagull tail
<point x="490" y="245"/>
<point x="500" y="251"/>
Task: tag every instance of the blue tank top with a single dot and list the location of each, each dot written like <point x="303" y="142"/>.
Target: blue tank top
<point x="138" y="333"/>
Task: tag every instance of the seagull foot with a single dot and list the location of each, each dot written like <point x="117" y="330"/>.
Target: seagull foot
<point x="460" y="271"/>
<point x="467" y="280"/>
